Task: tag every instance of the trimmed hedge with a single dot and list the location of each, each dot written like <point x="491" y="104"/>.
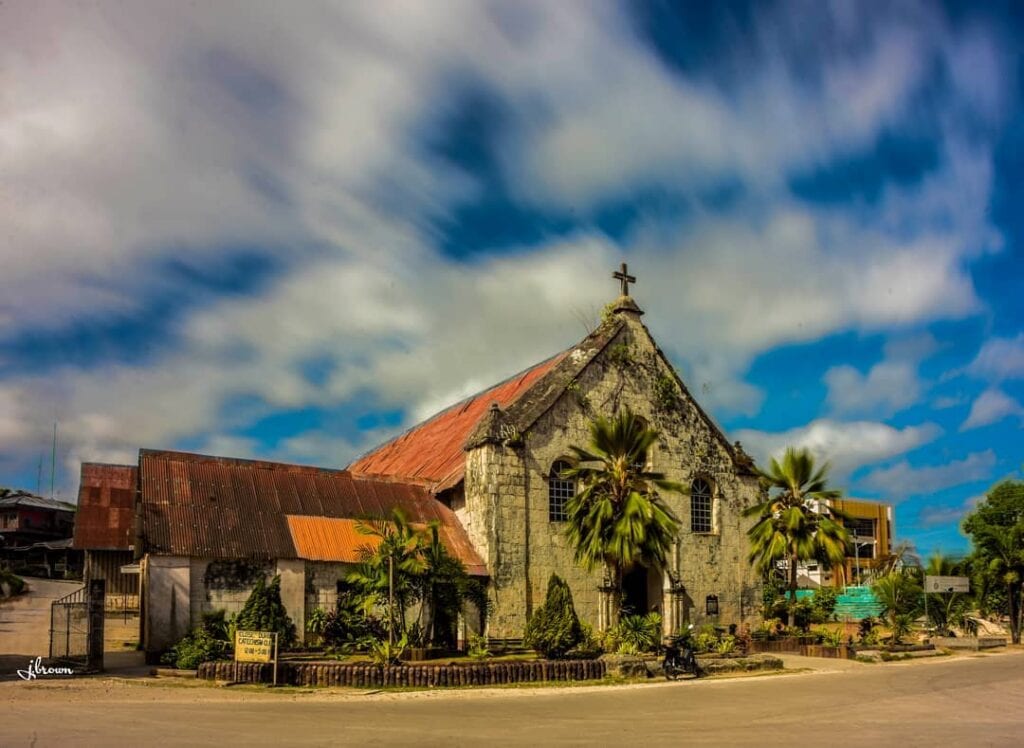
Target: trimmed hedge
<point x="372" y="676"/>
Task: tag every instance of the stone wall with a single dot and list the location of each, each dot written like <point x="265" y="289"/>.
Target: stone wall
<point x="506" y="504"/>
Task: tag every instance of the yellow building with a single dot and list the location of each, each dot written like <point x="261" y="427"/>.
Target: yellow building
<point x="870" y="525"/>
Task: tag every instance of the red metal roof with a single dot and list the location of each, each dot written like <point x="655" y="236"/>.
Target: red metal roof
<point x="220" y="507"/>
<point x="106" y="503"/>
<point x="432" y="451"/>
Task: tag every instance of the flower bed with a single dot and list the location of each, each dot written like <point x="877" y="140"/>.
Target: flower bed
<point x="372" y="676"/>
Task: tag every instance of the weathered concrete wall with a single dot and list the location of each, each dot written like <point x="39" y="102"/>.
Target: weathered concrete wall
<point x="167" y="605"/>
<point x="218" y="584"/>
<point x="322" y="584"/>
<point x="507" y="512"/>
<point x="293" y="593"/>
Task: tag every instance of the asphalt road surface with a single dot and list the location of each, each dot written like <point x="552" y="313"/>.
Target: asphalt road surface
<point x="963" y="701"/>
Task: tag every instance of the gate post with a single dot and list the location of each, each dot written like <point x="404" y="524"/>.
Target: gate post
<point x="95" y="613"/>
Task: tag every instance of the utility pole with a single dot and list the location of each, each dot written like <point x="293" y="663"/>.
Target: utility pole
<point x="53" y="460"/>
<point x="391" y="599"/>
<point x="856" y="555"/>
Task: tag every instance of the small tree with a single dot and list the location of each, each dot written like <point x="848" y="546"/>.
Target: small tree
<point x="264" y="611"/>
<point x="901" y="597"/>
<point x="554" y="628"/>
<point x="996" y="528"/>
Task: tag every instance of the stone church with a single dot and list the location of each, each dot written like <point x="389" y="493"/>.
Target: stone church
<point x="496" y="460"/>
<point x="488" y="470"/>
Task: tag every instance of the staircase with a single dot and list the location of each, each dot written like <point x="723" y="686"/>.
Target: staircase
<point x="856" y="603"/>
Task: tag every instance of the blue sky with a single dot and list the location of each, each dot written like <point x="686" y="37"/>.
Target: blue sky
<point x="239" y="231"/>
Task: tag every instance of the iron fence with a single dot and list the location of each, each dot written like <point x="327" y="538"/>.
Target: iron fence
<point x="69" y="626"/>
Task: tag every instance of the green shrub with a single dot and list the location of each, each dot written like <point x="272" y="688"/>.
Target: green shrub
<point x="478" y="648"/>
<point x="590" y="643"/>
<point x="554" y="628"/>
<point x="14" y="583"/>
<point x="316" y="623"/>
<point x="219" y="626"/>
<point x="349" y="627"/>
<point x="385" y="653"/>
<point x="831" y="637"/>
<point x="264" y="611"/>
<point x="705" y="640"/>
<point x="636" y="634"/>
<point x="197" y="647"/>
<point x="726" y="644"/>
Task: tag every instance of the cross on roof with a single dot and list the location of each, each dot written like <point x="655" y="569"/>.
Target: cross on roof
<point x="625" y="278"/>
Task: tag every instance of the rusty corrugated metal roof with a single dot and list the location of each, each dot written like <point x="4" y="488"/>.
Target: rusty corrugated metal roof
<point x="339" y="539"/>
<point x="432" y="451"/>
<point x="106" y="503"/>
<point x="220" y="507"/>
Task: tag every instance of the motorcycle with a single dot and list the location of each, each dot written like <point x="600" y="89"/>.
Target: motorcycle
<point x="680" y="657"/>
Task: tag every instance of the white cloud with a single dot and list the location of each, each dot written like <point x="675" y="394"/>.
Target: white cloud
<point x="991" y="406"/>
<point x="931" y="516"/>
<point x="903" y="479"/>
<point x="889" y="386"/>
<point x="845" y="445"/>
<point x="999" y="359"/>
<point x="131" y="135"/>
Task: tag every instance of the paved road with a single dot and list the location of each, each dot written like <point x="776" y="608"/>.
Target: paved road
<point x="25" y="622"/>
<point x="957" y="701"/>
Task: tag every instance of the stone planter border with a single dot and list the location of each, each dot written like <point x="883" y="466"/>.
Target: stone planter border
<point x="794" y="646"/>
<point x="415" y="676"/>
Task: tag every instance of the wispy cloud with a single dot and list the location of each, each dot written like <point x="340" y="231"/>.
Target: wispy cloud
<point x="845" y="445"/>
<point x="991" y="406"/>
<point x="185" y="135"/>
<point x="903" y="479"/>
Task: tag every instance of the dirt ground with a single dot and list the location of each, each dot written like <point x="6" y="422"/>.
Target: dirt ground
<point x="25" y="622"/>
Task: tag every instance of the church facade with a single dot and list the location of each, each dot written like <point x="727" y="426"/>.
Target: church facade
<point x="496" y="460"/>
<point x="488" y="469"/>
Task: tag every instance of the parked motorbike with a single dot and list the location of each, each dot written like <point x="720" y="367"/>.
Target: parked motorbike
<point x="680" y="657"/>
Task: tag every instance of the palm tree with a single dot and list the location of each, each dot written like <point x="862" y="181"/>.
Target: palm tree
<point x="946" y="609"/>
<point x="442" y="584"/>
<point x="795" y="523"/>
<point x="388" y="568"/>
<point x="617" y="519"/>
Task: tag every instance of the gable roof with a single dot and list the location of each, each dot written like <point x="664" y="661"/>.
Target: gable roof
<point x="431" y="452"/>
<point x="31" y="501"/>
<point x="220" y="507"/>
<point x="106" y="507"/>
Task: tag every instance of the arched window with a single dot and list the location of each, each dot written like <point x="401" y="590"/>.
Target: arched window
<point x="700" y="506"/>
<point x="560" y="490"/>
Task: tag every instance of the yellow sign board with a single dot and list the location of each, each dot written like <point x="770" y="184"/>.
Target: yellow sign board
<point x="254" y="646"/>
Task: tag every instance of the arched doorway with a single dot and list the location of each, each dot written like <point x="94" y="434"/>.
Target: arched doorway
<point x="641" y="590"/>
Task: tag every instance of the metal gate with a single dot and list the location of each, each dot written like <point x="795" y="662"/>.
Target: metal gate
<point x="69" y="627"/>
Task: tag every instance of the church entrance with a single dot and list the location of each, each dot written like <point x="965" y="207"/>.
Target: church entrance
<point x="641" y="591"/>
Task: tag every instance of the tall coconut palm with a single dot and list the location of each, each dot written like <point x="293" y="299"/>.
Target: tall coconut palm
<point x="795" y="523"/>
<point x="616" y="519"/>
